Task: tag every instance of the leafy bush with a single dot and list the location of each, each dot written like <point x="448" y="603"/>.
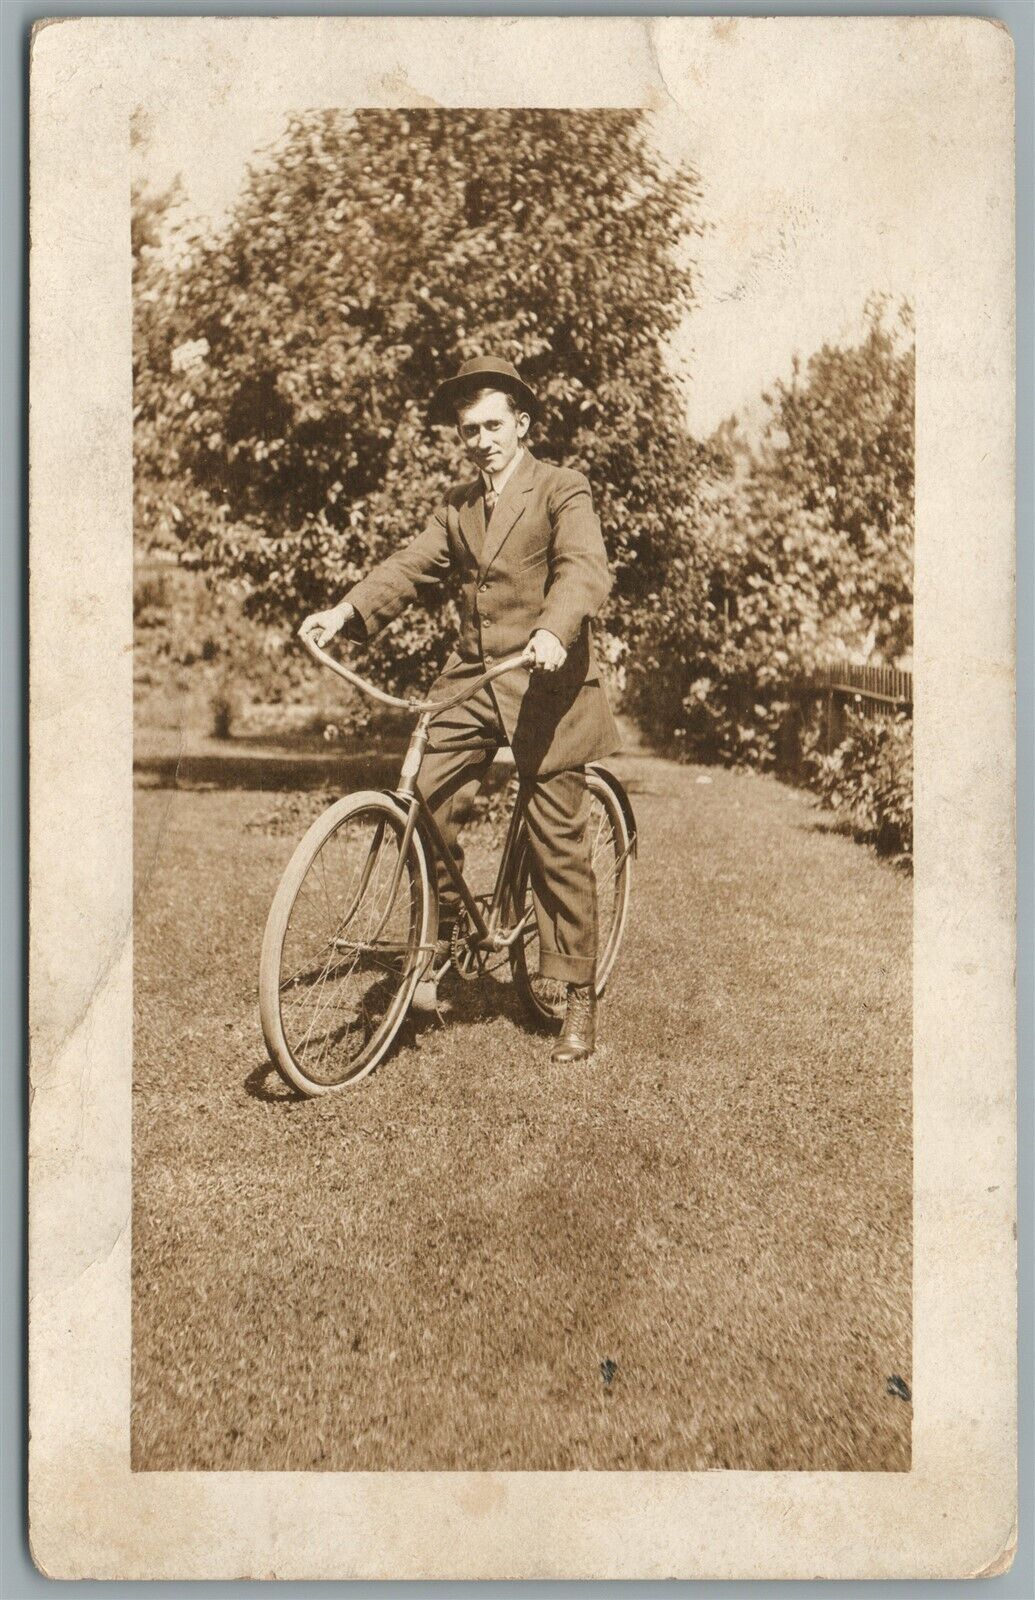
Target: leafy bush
<point x="194" y="638"/>
<point x="226" y="706"/>
<point x="868" y="780"/>
<point x="801" y="555"/>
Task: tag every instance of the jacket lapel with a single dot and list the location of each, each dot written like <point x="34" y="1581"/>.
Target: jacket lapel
<point x="472" y="519"/>
<point x="509" y="507"/>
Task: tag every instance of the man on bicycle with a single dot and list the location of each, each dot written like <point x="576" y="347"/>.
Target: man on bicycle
<point x="524" y="541"/>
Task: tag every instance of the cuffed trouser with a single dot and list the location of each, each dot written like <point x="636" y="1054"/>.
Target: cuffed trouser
<point x="460" y="749"/>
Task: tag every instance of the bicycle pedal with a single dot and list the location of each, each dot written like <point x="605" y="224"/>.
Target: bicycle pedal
<point x="425" y="996"/>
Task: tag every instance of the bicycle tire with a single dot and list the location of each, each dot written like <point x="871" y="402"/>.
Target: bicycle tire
<point x="610" y="805"/>
<point x="354" y="1039"/>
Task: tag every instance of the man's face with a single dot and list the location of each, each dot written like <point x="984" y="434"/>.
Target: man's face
<point x="490" y="431"/>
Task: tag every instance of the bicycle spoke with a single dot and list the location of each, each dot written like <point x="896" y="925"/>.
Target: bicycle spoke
<point x="316" y="1007"/>
<point x="289" y="986"/>
<point x="349" y="947"/>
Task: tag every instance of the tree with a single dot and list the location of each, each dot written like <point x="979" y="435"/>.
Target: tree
<point x="840" y="449"/>
<point x="155" y="335"/>
<point x="368" y="256"/>
<point x="802" y="552"/>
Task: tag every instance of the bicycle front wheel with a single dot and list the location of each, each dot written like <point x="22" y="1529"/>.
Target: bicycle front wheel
<point x="347" y="938"/>
<point x="611" y="840"/>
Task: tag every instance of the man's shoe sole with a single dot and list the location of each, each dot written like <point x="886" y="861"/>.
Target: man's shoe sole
<point x="562" y="1057"/>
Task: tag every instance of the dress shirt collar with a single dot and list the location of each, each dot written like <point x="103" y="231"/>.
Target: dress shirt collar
<point x="499" y="482"/>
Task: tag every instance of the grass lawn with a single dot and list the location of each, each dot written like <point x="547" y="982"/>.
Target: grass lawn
<point x="429" y="1270"/>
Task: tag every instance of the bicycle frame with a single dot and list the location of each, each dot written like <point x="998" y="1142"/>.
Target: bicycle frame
<point x="489" y="934"/>
<point x="488" y="931"/>
<point x="375" y="974"/>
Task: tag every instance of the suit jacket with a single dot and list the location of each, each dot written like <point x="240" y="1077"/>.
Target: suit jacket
<point x="540" y="564"/>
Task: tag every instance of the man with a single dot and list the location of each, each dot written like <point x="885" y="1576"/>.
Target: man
<point x="525" y="543"/>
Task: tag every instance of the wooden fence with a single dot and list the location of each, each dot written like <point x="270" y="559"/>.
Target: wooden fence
<point x="887" y="685"/>
<point x="842" y="685"/>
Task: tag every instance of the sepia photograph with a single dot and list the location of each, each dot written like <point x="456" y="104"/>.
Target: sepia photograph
<point x="523" y="618"/>
<point x="530" y="502"/>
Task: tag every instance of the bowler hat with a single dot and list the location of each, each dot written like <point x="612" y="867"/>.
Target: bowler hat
<point x="482" y="372"/>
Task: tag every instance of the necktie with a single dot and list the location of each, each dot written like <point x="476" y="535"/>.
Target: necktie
<point x="490" y="504"/>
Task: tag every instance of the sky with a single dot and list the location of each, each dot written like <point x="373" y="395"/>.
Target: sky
<point x="802" y="223"/>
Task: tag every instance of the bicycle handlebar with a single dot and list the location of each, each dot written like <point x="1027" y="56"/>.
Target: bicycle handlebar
<point x="520" y="658"/>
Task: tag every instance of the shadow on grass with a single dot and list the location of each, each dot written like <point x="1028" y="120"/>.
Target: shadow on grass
<point x="265" y="1083"/>
<point x="464" y="1004"/>
<point x="266" y="769"/>
<point x="842" y="828"/>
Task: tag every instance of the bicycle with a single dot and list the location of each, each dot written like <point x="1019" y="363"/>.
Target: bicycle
<point x="353" y="926"/>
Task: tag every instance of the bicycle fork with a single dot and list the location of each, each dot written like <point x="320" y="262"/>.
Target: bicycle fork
<point x="408" y="789"/>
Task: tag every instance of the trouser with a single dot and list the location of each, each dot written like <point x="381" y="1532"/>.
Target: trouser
<point x="460" y="749"/>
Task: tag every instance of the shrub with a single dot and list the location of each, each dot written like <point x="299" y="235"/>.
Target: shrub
<point x="801" y="555"/>
<point x="868" y="780"/>
<point x="194" y="643"/>
<point x="225" y="706"/>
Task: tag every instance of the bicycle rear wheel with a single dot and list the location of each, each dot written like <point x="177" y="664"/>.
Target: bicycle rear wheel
<point x="612" y="839"/>
<point x="348" y="935"/>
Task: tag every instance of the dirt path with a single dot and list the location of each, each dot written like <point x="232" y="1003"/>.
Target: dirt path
<point x="692" y="1252"/>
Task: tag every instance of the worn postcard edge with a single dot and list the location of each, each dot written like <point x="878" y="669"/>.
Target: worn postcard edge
<point x="953" y="1514"/>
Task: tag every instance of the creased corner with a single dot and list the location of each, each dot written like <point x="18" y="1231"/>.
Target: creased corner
<point x="1003" y="1560"/>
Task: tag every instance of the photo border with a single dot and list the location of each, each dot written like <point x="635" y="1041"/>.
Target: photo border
<point x="727" y="1477"/>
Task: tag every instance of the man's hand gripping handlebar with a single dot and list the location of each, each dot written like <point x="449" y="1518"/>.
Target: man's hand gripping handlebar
<point x="522" y="658"/>
<point x="321" y="627"/>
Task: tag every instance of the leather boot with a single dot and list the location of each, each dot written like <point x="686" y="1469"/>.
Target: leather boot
<point x="578" y="1032"/>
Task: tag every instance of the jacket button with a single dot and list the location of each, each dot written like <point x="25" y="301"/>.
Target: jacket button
<point x="482" y="588"/>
